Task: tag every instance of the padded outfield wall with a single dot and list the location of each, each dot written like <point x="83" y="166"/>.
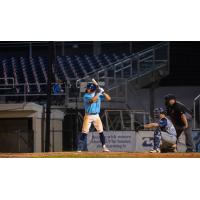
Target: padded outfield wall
<point x="131" y="141"/>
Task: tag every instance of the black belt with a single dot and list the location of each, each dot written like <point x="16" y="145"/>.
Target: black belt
<point x="92" y="113"/>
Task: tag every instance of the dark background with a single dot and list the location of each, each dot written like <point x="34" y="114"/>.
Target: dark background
<point x="184" y="64"/>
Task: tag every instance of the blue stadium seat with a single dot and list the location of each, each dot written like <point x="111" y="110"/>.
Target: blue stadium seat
<point x="33" y="70"/>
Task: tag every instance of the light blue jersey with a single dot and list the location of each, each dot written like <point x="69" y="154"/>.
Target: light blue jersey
<point x="92" y="108"/>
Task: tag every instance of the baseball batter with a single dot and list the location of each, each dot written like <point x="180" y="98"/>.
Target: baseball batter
<point x="164" y="133"/>
<point x="92" y="104"/>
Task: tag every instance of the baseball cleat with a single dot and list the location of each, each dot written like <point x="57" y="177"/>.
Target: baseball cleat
<point x="79" y="151"/>
<point x="155" y="151"/>
<point x="190" y="150"/>
<point x="105" y="149"/>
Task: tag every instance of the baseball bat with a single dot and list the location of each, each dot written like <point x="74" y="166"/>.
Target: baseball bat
<point x="94" y="81"/>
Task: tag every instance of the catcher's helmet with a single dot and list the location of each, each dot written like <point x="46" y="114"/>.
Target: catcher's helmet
<point x="91" y="86"/>
<point x="158" y="111"/>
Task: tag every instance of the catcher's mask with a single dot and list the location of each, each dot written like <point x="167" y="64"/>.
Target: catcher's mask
<point x="158" y="111"/>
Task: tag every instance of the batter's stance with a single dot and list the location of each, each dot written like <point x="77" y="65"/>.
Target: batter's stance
<point x="92" y="103"/>
<point x="165" y="132"/>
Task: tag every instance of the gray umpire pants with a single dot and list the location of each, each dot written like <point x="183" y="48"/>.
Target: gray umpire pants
<point x="188" y="135"/>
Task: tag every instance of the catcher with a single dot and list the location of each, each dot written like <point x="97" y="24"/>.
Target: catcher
<point x="92" y="103"/>
<point x="164" y="133"/>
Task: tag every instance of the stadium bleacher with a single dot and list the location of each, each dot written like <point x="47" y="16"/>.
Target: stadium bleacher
<point x="32" y="71"/>
<point x="28" y="74"/>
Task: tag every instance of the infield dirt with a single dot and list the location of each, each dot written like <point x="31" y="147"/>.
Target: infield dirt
<point x="99" y="155"/>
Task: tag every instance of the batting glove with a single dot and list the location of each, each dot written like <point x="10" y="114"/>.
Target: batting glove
<point x="101" y="90"/>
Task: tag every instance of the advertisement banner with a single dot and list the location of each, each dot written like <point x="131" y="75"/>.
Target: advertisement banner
<point x="131" y="141"/>
<point x="115" y="141"/>
<point x="144" y="141"/>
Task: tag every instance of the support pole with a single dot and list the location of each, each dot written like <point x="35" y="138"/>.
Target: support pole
<point x="130" y="47"/>
<point x="152" y="88"/>
<point x="77" y="127"/>
<point x="152" y="100"/>
<point x="48" y="107"/>
<point x="63" y="48"/>
<point x="96" y="48"/>
<point x="30" y="49"/>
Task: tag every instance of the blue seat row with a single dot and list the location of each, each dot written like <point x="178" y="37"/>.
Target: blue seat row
<point x="33" y="70"/>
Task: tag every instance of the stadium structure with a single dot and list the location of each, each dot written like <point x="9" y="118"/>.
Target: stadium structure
<point x="131" y="72"/>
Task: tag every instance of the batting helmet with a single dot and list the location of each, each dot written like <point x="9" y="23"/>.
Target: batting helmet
<point x="91" y="86"/>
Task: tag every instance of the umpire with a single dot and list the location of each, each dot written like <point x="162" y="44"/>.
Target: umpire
<point x="181" y="117"/>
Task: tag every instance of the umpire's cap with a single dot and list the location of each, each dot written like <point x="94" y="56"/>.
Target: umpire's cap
<point x="168" y="97"/>
<point x="91" y="86"/>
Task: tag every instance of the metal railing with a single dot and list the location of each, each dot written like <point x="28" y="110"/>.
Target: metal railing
<point x="114" y="76"/>
<point x="125" y="119"/>
<point x="9" y="83"/>
<point x="196" y="105"/>
<point x="69" y="93"/>
<point x="133" y="66"/>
